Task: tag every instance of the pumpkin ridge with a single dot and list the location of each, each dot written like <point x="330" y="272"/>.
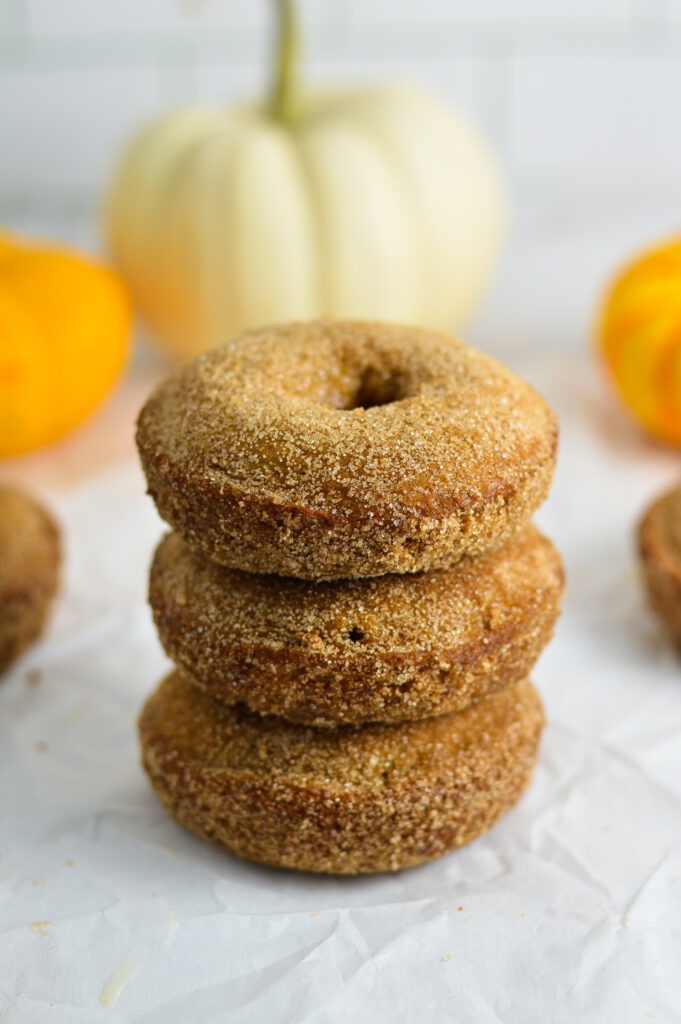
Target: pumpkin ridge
<point x="413" y="242"/>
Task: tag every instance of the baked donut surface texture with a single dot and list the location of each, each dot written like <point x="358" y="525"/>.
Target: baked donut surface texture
<point x="29" y="569"/>
<point x="389" y="648"/>
<point x="352" y="800"/>
<point x="334" y="450"/>
<point x="659" y="540"/>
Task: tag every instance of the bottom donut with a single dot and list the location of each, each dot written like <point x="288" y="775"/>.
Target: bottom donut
<point x="350" y="800"/>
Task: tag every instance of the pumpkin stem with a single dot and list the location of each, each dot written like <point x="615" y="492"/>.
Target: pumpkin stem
<point x="285" y="94"/>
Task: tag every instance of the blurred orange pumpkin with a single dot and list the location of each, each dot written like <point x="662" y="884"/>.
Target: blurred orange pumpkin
<point x="640" y="339"/>
<point x="64" y="337"/>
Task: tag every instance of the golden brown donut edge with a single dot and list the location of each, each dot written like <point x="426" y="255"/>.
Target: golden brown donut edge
<point x="387" y="649"/>
<point x="267" y="480"/>
<point x="343" y="801"/>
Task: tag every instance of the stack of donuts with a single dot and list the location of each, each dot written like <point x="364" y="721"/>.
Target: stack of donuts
<point x="353" y="593"/>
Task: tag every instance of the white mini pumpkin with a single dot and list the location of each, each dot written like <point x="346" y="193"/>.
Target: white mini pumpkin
<point x="380" y="204"/>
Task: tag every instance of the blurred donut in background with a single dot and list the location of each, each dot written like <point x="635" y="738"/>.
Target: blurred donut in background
<point x="30" y="556"/>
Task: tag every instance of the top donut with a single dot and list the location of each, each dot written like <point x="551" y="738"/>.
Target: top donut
<point x="331" y="450"/>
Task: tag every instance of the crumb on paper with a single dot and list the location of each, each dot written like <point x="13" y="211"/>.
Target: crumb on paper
<point x="33" y="676"/>
<point x="37" y="880"/>
<point x="305" y="979"/>
<point x="111" y="992"/>
<point x="459" y="908"/>
<point x="446" y="958"/>
<point x="40" y="928"/>
<point x="41" y="746"/>
<point x="82" y="714"/>
<point x="69" y="863"/>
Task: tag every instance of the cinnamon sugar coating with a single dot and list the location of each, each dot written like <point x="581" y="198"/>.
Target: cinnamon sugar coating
<point x="385" y="649"/>
<point x="349" y="800"/>
<point x="29" y="568"/>
<point x="659" y="539"/>
<point x="332" y="450"/>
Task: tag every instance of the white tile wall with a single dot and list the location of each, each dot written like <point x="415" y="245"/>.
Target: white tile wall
<point x="505" y="14"/>
<point x="574" y="94"/>
<point x="593" y="120"/>
<point x="60" y="129"/>
<point x="167" y="18"/>
<point x="12" y="17"/>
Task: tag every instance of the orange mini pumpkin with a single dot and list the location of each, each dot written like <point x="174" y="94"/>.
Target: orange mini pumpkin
<point x="64" y="337"/>
<point x="640" y="339"/>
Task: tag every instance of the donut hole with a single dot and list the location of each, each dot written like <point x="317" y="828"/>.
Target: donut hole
<point x="374" y="388"/>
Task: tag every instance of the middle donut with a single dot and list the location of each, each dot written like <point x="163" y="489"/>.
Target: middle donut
<point x="391" y="648"/>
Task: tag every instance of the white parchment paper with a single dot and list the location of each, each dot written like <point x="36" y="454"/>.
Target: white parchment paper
<point x="570" y="910"/>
